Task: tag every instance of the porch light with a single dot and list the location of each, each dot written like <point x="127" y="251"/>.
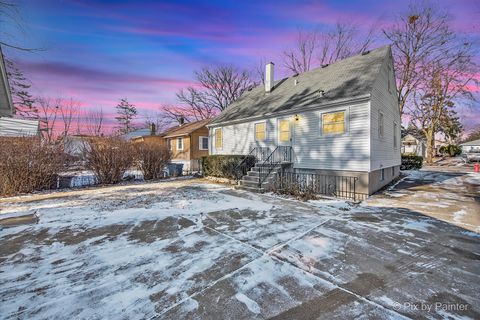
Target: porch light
<point x="296" y="117"/>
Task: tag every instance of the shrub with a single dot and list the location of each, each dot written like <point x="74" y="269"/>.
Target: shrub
<point x="109" y="158"/>
<point x="151" y="159"/>
<point x="224" y="166"/>
<point x="451" y="150"/>
<point x="411" y="162"/>
<point x="27" y="165"/>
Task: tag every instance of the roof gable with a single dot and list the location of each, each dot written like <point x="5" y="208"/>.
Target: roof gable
<point x="343" y="80"/>
<point x="185" y="129"/>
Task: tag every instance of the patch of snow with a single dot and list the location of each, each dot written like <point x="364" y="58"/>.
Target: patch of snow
<point x="251" y="305"/>
<point x="457" y="216"/>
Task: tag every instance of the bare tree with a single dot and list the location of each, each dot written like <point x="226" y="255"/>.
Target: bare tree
<point x="315" y="48"/>
<point x="49" y="113"/>
<point x="258" y="71"/>
<point x="10" y="15"/>
<point x="299" y="58"/>
<point x="417" y="38"/>
<point x="94" y="121"/>
<point x="68" y="109"/>
<point x="445" y="83"/>
<point x="218" y="87"/>
<point x="20" y="86"/>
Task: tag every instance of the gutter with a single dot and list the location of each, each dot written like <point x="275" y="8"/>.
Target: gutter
<point x="359" y="99"/>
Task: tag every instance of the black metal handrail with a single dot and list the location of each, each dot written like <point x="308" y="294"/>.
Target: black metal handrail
<point x="259" y="153"/>
<point x="324" y="184"/>
<point x="281" y="154"/>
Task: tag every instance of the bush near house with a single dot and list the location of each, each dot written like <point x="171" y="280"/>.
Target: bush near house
<point x="224" y="166"/>
<point x="28" y="165"/>
<point x="451" y="150"/>
<point x="152" y="159"/>
<point x="411" y="162"/>
<point x="109" y="158"/>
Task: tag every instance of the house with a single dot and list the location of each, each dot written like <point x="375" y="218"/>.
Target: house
<point x="6" y="104"/>
<point x="471" y="146"/>
<point x="339" y="120"/>
<point x="74" y="145"/>
<point x="9" y="126"/>
<point x="412" y="145"/>
<point x="188" y="143"/>
<point x="150" y="137"/>
<point x="137" y="133"/>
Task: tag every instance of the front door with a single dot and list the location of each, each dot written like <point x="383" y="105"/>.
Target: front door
<point x="284" y="132"/>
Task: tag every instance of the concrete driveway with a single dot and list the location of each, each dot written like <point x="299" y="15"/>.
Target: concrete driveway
<point x="450" y="194"/>
<point x="195" y="250"/>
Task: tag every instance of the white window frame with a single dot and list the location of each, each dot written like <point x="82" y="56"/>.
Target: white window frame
<point x="215" y="139"/>
<point x="290" y="133"/>
<point x="179" y="139"/>
<point x="200" y="142"/>
<point x="381" y="126"/>
<point x="345" y="122"/>
<point x="255" y="130"/>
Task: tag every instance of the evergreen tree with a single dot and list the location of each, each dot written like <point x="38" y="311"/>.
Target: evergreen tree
<point x="126" y="113"/>
<point x="19" y="89"/>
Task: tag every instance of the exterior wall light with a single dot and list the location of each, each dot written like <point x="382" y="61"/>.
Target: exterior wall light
<point x="296" y="117"/>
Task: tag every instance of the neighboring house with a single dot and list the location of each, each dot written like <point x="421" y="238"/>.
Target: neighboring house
<point x="137" y="133"/>
<point x="6" y="104"/>
<point x="342" y="119"/>
<point x="188" y="143"/>
<point x="10" y="127"/>
<point x="412" y="145"/>
<point x="75" y="145"/>
<point x="151" y="137"/>
<point x="471" y="146"/>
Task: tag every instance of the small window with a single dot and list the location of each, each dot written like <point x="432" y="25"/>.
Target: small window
<point x="260" y="131"/>
<point x="395" y="142"/>
<point x="284" y="130"/>
<point x="218" y="138"/>
<point x="393" y="171"/>
<point x="333" y="122"/>
<point x="382" y="175"/>
<point x="380" y="125"/>
<point x="179" y="143"/>
<point x="203" y="143"/>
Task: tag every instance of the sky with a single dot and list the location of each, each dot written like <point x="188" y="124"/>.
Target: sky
<point x="98" y="52"/>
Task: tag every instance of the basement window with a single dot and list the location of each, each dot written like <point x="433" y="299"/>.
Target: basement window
<point x="382" y="174"/>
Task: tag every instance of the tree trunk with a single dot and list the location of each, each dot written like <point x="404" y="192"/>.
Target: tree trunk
<point x="429" y="135"/>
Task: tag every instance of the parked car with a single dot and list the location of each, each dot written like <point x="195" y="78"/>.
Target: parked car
<point x="473" y="156"/>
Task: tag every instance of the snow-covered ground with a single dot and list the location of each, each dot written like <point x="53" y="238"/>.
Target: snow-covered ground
<point x="449" y="196"/>
<point x="193" y="249"/>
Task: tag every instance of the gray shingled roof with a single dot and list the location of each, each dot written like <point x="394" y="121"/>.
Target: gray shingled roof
<point x="345" y="79"/>
<point x="472" y="143"/>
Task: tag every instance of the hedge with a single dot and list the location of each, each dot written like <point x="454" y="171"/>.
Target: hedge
<point x="451" y="150"/>
<point x="223" y="166"/>
<point x="411" y="162"/>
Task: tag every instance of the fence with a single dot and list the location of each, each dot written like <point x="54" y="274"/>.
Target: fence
<point x="328" y="185"/>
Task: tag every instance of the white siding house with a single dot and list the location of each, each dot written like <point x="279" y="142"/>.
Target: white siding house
<point x="342" y="119"/>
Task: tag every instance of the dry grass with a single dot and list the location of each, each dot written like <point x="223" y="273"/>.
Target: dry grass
<point x="27" y="165"/>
